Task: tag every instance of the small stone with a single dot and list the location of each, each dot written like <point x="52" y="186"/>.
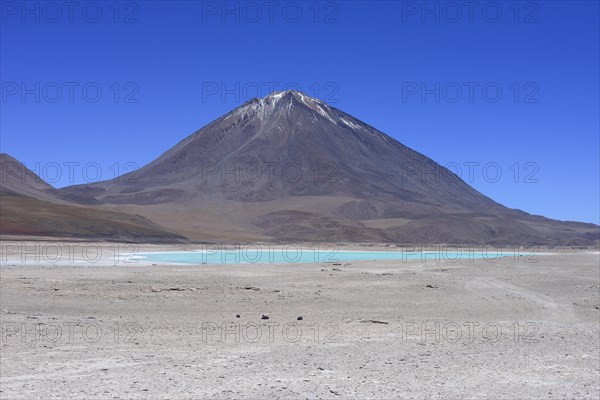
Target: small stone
<point x="264" y="317"/>
<point x="237" y="315"/>
<point x="300" y="318"/>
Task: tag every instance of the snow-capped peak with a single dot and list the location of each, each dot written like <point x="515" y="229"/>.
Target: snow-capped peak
<point x="275" y="96"/>
<point x="263" y="107"/>
<point x="286" y="101"/>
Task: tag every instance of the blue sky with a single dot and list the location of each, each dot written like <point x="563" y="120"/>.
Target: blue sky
<point x="501" y="87"/>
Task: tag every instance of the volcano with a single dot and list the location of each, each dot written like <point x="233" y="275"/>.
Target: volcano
<point x="288" y="167"/>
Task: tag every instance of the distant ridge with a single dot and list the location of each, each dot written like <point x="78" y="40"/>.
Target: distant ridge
<point x="29" y="206"/>
<point x="16" y="178"/>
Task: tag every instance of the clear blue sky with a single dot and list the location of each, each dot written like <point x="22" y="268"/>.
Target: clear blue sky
<point x="383" y="62"/>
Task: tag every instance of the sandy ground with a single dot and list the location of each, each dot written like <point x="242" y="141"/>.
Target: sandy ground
<point x="84" y="328"/>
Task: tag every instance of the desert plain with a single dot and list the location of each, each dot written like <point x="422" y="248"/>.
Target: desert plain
<point x="113" y="327"/>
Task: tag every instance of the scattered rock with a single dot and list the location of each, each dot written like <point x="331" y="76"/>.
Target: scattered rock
<point x="374" y="321"/>
<point x="336" y="269"/>
<point x="264" y="317"/>
<point x="251" y="288"/>
<point x="431" y="286"/>
<point x="155" y="289"/>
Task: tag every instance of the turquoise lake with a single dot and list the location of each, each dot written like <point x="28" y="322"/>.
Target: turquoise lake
<point x="252" y="255"/>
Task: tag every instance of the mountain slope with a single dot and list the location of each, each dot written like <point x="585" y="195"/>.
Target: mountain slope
<point x="290" y="167"/>
<point x="29" y="206"/>
<point x="17" y="179"/>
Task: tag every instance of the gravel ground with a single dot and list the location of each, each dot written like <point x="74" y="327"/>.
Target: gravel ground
<point x="502" y="329"/>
